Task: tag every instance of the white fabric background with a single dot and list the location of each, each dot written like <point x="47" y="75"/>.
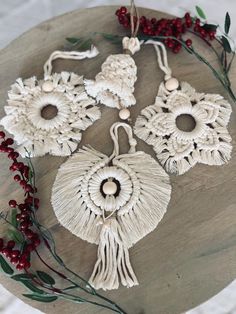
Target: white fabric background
<point x="17" y="16"/>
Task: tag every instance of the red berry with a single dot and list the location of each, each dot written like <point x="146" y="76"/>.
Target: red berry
<point x="197" y="22"/>
<point x="188" y="42"/>
<point x="26" y="171"/>
<point x="30" y="247"/>
<point x="14" y="260"/>
<point x="29" y="200"/>
<point x="15" y="166"/>
<point x="27" y="265"/>
<point x="17" y="178"/>
<point x="15" y="253"/>
<point x="122" y="19"/>
<point x="9" y="141"/>
<point x="170" y="44"/>
<point x="20" y="165"/>
<point x="12" y="203"/>
<point x="187" y="15"/>
<point x="118" y="12"/>
<point x="25" y="214"/>
<point x="6" y="252"/>
<point x="24" y="256"/>
<point x="22" y="207"/>
<point x="29" y="234"/>
<point x="23" y="183"/>
<point x="24" y="225"/>
<point x="11" y="244"/>
<point x="2" y="134"/>
<point x="3" y="149"/>
<point x="153" y="20"/>
<point x="18" y="217"/>
<point x="123" y="10"/>
<point x="203" y="33"/>
<point x="212" y="35"/>
<point x="28" y="188"/>
<point x="37" y="242"/>
<point x="11" y="168"/>
<point x="19" y="267"/>
<point x="176" y="49"/>
<point x="9" y="150"/>
<point x="11" y="155"/>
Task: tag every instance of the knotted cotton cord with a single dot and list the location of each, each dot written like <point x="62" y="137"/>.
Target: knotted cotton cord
<point x="72" y="55"/>
<point x="161" y="57"/>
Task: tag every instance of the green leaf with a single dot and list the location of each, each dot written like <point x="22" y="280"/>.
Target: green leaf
<point x="41" y="298"/>
<point x="222" y="57"/>
<point x="5" y="267"/>
<point x="200" y="12"/>
<point x="226" y="44"/>
<point x="74" y="40"/>
<point x="86" y="44"/>
<point x="22" y="277"/>
<point x="32" y="287"/>
<point x="227" y="23"/>
<point x="210" y="27"/>
<point x="45" y="278"/>
<point x="115" y="39"/>
<point x="13" y="217"/>
<point x="15" y="235"/>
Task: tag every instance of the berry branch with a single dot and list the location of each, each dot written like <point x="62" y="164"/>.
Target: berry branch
<point x="174" y="33"/>
<point x="26" y="234"/>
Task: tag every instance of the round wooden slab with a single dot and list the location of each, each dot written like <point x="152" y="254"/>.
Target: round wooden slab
<point x="192" y="254"/>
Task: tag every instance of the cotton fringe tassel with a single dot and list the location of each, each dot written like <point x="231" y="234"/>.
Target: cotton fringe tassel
<point x="113" y="263"/>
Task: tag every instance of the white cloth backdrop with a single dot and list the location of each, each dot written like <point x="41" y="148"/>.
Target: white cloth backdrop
<point x="17" y="16"/>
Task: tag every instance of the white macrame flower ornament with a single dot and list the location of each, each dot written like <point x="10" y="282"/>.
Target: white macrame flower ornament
<point x="177" y="149"/>
<point x="113" y="202"/>
<point x="73" y="110"/>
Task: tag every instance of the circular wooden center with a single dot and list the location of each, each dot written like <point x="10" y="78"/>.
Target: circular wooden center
<point x="49" y="112"/>
<point x="185" y="122"/>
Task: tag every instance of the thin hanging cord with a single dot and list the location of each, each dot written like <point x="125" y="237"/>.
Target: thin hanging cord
<point x="115" y="137"/>
<point x="73" y="55"/>
<point x="161" y="57"/>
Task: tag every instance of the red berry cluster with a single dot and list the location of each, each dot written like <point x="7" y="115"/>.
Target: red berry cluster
<point x="20" y="258"/>
<point x="175" y="27"/>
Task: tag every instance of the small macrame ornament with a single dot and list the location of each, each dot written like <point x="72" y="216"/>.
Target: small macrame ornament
<point x="179" y="150"/>
<point x="113" y="202"/>
<point x="114" y="85"/>
<point x="61" y="94"/>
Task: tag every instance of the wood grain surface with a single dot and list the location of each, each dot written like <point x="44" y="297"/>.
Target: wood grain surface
<point x="192" y="254"/>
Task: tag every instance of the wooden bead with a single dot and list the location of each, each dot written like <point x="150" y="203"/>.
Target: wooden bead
<point x="172" y="84"/>
<point x="47" y="87"/>
<point x="124" y="114"/>
<point x="109" y="188"/>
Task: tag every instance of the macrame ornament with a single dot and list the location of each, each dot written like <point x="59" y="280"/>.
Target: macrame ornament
<point x="61" y="93"/>
<point x="113" y="202"/>
<point x="178" y="150"/>
<point x="114" y="85"/>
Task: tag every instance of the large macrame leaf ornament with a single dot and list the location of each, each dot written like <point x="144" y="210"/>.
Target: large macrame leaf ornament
<point x="62" y="93"/>
<point x="178" y="150"/>
<point x="113" y="202"/>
